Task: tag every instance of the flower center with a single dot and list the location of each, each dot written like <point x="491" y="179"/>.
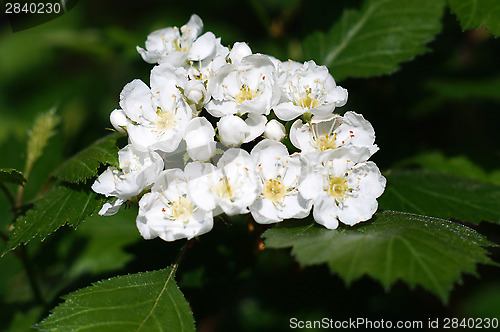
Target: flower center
<point x="223" y="189"/>
<point x="182" y="209"/>
<point x="307" y="101"/>
<point x="326" y="142"/>
<point x="337" y="188"/>
<point x="245" y="94"/>
<point x="165" y="120"/>
<point x="178" y="45"/>
<point x="274" y="190"/>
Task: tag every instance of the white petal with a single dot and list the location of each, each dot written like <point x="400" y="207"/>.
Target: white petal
<point x="105" y="183"/>
<point x="200" y="139"/>
<point x="202" y="47"/>
<point x="199" y="188"/>
<point x="355" y="210"/>
<point x="295" y="206"/>
<point x="135" y="101"/>
<point x="325" y="213"/>
<point x="311" y="186"/>
<point x="193" y="27"/>
<point x="287" y="111"/>
<point x="264" y="212"/>
<point x="256" y="125"/>
<point x="239" y="51"/>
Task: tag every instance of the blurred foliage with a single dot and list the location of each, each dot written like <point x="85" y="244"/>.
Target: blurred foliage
<point x="439" y="112"/>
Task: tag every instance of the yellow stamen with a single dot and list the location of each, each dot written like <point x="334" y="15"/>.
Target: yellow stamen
<point x="165" y="120"/>
<point x="337" y="187"/>
<point x="182" y="209"/>
<point x="326" y="142"/>
<point x="223" y="189"/>
<point x="274" y="190"/>
<point x="308" y="102"/>
<point x="245" y="94"/>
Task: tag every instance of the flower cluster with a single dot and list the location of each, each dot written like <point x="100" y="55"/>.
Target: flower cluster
<point x="181" y="179"/>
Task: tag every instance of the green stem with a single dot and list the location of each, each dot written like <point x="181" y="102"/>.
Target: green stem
<point x="4" y="236"/>
<point x="32" y="277"/>
<point x="9" y="195"/>
<point x="181" y="254"/>
<point x="261" y="13"/>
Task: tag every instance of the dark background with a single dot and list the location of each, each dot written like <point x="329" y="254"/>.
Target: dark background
<point x="445" y="101"/>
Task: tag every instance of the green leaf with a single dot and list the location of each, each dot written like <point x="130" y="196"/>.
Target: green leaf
<point x="11" y="175"/>
<point x="149" y="301"/>
<point x="477" y="13"/>
<point x="485" y="88"/>
<point x="61" y="205"/>
<point x="105" y="239"/>
<point x="419" y="250"/>
<point x="458" y="165"/>
<point x="85" y="164"/>
<point x="43" y="129"/>
<point x="376" y="39"/>
<point x="441" y="195"/>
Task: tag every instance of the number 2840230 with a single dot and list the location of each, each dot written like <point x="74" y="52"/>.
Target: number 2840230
<point x="32" y="8"/>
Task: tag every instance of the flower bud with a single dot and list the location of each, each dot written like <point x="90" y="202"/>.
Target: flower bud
<point x="232" y="130"/>
<point x="275" y="130"/>
<point x="119" y="121"/>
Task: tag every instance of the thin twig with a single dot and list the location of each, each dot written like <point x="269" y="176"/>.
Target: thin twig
<point x="4" y="236"/>
<point x="32" y="277"/>
<point x="181" y="254"/>
<point x="9" y="195"/>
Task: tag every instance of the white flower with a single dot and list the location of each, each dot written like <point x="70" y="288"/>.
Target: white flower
<point x="279" y="174"/>
<point x="348" y="130"/>
<point x="158" y="116"/>
<point x="307" y="88"/>
<point x="344" y="187"/>
<point x="248" y="86"/>
<point x="232" y="185"/>
<point x="169" y="213"/>
<point x="178" y="47"/>
<point x="200" y="139"/>
<point x="233" y="130"/>
<point x="138" y="171"/>
<point x="206" y="69"/>
<point x="167" y="80"/>
<point x="275" y="130"/>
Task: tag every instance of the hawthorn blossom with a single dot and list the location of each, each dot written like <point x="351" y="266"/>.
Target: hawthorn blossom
<point x="157" y="117"/>
<point x="248" y="86"/>
<point x="137" y="171"/>
<point x="168" y="211"/>
<point x="179" y="46"/>
<point x="279" y="174"/>
<point x="165" y="126"/>
<point x="231" y="186"/>
<point x="204" y="70"/>
<point x="307" y="88"/>
<point x="343" y="187"/>
<point x="349" y="130"/>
